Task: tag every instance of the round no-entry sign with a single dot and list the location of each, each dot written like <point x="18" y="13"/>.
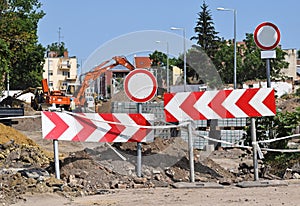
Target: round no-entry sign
<point x="140" y="85"/>
<point x="266" y="36"/>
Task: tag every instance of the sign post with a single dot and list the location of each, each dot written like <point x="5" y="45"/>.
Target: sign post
<point x="266" y="37"/>
<point x="140" y="86"/>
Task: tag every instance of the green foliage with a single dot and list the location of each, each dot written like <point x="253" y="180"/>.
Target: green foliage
<point x="224" y="61"/>
<point x="254" y="68"/>
<point x="206" y="36"/>
<point x="24" y="55"/>
<point x="4" y="56"/>
<point x="250" y="66"/>
<point x="201" y="58"/>
<point x="281" y="125"/>
<point x="159" y="60"/>
<point x="159" y="63"/>
<point x="59" y="48"/>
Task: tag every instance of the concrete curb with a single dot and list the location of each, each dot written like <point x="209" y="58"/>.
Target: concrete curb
<point x="187" y="185"/>
<point x="264" y="183"/>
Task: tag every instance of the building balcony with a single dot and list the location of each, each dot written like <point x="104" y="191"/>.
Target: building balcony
<point x="66" y="67"/>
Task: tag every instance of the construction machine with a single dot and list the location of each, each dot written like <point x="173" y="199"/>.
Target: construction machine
<point x="44" y="98"/>
<point x="79" y="96"/>
<point x="36" y="100"/>
<point x="55" y="98"/>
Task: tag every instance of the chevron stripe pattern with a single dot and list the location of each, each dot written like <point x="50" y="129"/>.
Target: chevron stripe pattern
<point x="94" y="127"/>
<point x="220" y="104"/>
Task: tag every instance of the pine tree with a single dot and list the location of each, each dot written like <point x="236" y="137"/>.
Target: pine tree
<point x="206" y="36"/>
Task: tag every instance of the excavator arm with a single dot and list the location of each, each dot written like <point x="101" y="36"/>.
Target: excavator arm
<point x="28" y="90"/>
<point x="96" y="73"/>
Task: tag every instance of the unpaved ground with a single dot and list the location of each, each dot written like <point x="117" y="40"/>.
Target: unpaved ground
<point x="80" y="174"/>
<point x="229" y="196"/>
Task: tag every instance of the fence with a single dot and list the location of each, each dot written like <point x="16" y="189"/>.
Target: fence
<point x="230" y="130"/>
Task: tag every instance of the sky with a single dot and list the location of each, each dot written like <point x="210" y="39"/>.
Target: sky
<point x="86" y="26"/>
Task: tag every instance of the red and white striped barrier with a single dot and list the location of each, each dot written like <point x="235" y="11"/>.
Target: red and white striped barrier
<point x="94" y="127"/>
<point x="220" y="104"/>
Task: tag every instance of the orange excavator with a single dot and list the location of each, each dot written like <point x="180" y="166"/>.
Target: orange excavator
<point x="55" y="98"/>
<point x="79" y="95"/>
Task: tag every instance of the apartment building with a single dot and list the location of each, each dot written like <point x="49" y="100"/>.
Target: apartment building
<point x="60" y="71"/>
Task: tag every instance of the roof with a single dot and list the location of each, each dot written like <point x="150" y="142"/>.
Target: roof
<point x="142" y="62"/>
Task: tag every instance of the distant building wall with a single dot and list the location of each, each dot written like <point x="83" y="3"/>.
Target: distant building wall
<point x="291" y="58"/>
<point x="176" y="72"/>
<point x="62" y="70"/>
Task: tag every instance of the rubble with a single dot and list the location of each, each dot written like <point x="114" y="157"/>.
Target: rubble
<point x="26" y="166"/>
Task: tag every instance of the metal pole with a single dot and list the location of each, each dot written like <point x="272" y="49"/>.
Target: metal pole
<point x="191" y="153"/>
<point x="254" y="146"/>
<point x="48" y="69"/>
<point x="139" y="149"/>
<point x="167" y="67"/>
<point x="268" y="73"/>
<point x="168" y="81"/>
<point x="184" y="56"/>
<point x="234" y="38"/>
<point x="234" y="69"/>
<point x="184" y="60"/>
<point x="7" y="84"/>
<point x="56" y="159"/>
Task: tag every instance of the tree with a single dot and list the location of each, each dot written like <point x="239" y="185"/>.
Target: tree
<point x="159" y="62"/>
<point x="59" y="48"/>
<point x="250" y="66"/>
<point x="201" y="57"/>
<point x="224" y="61"/>
<point x="24" y="55"/>
<point x="4" y="57"/>
<point x="201" y="69"/>
<point x="206" y="36"/>
<point x="254" y="68"/>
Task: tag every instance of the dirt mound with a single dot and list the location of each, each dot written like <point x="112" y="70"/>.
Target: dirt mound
<point x="16" y="103"/>
<point x="290" y="103"/>
<point x="21" y="162"/>
<point x="8" y="134"/>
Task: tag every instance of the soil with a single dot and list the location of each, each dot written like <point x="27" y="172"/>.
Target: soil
<point x="96" y="174"/>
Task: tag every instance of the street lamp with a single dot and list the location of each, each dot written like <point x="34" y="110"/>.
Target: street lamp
<point x="168" y="84"/>
<point x="48" y="59"/>
<point x="234" y="23"/>
<point x="184" y="56"/>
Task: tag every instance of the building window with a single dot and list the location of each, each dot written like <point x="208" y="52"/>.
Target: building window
<point x="66" y="74"/>
<point x="51" y="72"/>
<point x="50" y="64"/>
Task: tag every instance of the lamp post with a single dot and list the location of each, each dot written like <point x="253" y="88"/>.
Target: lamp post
<point x="184" y="55"/>
<point x="48" y="58"/>
<point x="7" y="83"/>
<point x="168" y="82"/>
<point x="234" y="25"/>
